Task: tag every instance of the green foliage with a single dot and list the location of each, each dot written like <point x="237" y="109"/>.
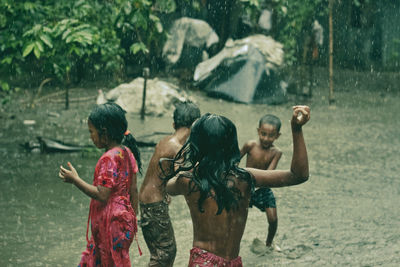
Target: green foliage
<point x="251" y="3"/>
<point x="62" y="39"/>
<point x="394" y="55"/>
<point x="292" y="20"/>
<point x="165" y="6"/>
<point x="68" y="39"/>
<point x="4" y="86"/>
<point x="136" y="47"/>
<point x="36" y="38"/>
<point x="141" y="30"/>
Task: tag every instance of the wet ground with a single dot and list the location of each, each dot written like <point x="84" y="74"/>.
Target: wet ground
<point x="347" y="213"/>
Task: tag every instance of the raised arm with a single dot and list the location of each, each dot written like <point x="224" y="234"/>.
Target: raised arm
<point x="298" y="172"/>
<point x="299" y="166"/>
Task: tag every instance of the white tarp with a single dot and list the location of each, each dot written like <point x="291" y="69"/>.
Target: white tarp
<point x="187" y="31"/>
<point x="160" y="96"/>
<point x="268" y="47"/>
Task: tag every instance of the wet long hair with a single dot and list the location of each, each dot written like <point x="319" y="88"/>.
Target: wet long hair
<point x="110" y="118"/>
<point x="212" y="155"/>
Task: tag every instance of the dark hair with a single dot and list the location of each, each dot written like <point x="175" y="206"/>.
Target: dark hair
<point x="185" y="114"/>
<point x="212" y="151"/>
<point x="111" y="117"/>
<point x="271" y="119"/>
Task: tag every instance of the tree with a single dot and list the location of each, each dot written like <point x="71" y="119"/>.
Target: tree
<point x="67" y="40"/>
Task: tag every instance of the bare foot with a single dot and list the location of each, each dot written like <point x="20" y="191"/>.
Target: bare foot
<point x="274" y="247"/>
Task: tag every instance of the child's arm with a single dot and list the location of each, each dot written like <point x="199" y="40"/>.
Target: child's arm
<point x="178" y="185"/>
<point x="100" y="193"/>
<point x="134" y="194"/>
<point x="245" y="149"/>
<point x="299" y="168"/>
<point x="299" y="165"/>
<point x="275" y="160"/>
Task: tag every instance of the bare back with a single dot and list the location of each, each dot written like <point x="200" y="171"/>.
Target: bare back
<point x="153" y="189"/>
<point x="220" y="234"/>
<point x="259" y="157"/>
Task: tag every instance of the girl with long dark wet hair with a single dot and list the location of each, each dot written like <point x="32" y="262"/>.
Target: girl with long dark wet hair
<point x="212" y="154"/>
<point x="114" y="195"/>
<point x="217" y="190"/>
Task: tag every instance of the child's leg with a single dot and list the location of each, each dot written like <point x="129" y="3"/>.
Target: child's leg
<point x="122" y="231"/>
<point x="273" y="224"/>
<point x="122" y="237"/>
<point x="264" y="199"/>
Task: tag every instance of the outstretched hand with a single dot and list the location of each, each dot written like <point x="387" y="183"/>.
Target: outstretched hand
<point x="68" y="176"/>
<point x="301" y="115"/>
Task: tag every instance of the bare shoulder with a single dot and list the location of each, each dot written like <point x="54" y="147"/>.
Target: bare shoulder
<point x="179" y="185"/>
<point x="168" y="147"/>
<point x="173" y="146"/>
<point x="276" y="150"/>
<point x="250" y="145"/>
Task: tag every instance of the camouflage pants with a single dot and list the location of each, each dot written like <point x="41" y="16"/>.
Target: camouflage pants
<point x="158" y="233"/>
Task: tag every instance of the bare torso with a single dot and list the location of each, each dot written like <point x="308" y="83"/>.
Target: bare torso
<point x="153" y="189"/>
<point x="262" y="158"/>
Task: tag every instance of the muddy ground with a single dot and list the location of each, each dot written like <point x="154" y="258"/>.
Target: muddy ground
<point x="347" y="213"/>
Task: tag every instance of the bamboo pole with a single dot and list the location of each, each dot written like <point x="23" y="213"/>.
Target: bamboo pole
<point x="331" y="97"/>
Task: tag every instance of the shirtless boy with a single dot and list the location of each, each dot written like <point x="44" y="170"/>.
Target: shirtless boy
<point x="155" y="221"/>
<point x="218" y="191"/>
<point x="263" y="154"/>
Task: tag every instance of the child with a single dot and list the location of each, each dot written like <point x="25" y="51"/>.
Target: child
<point x="113" y="208"/>
<point x="218" y="192"/>
<point x="155" y="221"/>
<point x="264" y="155"/>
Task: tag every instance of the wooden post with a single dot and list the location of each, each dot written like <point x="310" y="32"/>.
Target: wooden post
<point x="146" y="73"/>
<point x="331" y="97"/>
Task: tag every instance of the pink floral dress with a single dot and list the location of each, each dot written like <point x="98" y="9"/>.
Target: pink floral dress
<point x="113" y="224"/>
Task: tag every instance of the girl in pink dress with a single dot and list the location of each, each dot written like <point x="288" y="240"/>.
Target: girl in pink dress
<point x="114" y="204"/>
